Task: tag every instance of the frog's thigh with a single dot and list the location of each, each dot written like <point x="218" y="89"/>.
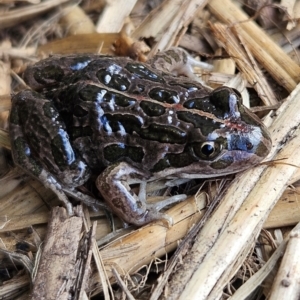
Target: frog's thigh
<point x="26" y="143"/>
<point x="113" y="184"/>
<point x="38" y="134"/>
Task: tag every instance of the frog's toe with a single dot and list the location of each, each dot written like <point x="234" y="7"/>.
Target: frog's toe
<point x="153" y="215"/>
<point x="167" y="220"/>
<point x="171" y="200"/>
<point x="153" y="209"/>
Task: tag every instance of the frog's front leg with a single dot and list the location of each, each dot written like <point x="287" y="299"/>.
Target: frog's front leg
<point x="114" y="185"/>
<point x="41" y="147"/>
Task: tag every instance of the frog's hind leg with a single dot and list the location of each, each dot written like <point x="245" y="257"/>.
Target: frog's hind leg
<point x="114" y="185"/>
<point x="40" y="145"/>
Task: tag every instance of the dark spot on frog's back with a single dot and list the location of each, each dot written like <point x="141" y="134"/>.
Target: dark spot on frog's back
<point x="190" y="87"/>
<point x="143" y="72"/>
<point x="129" y="122"/>
<point x="121" y="152"/>
<point x="203" y="104"/>
<point x="163" y="134"/>
<point x="222" y="99"/>
<point x="206" y="125"/>
<point x="48" y="75"/>
<point x="163" y="95"/>
<point x="152" y="109"/>
<point x="80" y="112"/>
<point x="80" y="131"/>
<point x="117" y="81"/>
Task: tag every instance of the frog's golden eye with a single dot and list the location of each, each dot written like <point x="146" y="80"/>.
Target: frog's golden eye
<point x="207" y="150"/>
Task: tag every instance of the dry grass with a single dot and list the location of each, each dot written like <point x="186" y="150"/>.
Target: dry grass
<point x="222" y="250"/>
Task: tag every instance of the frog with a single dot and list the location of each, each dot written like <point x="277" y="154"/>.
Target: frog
<point x="129" y="122"/>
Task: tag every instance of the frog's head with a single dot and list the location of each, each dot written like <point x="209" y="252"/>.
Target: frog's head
<point x="231" y="139"/>
<point x="241" y="140"/>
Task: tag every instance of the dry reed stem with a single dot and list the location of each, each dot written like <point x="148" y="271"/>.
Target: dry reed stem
<point x="157" y="20"/>
<point x="82" y="281"/>
<point x="108" y="23"/>
<point x="289" y="6"/>
<point x="16" y="222"/>
<point x="5" y="90"/>
<point x="12" y="288"/>
<point x="16" y="16"/>
<point x="77" y="22"/>
<point x="29" y="196"/>
<point x="81" y="43"/>
<point x="4" y="139"/>
<point x="170" y="35"/>
<point x="170" y="23"/>
<point x="5" y="102"/>
<point x="286" y="211"/>
<point x="23" y="206"/>
<point x="101" y="275"/>
<point x="56" y="271"/>
<point x="179" y="25"/>
<point x="257" y="279"/>
<point x="248" y="67"/>
<point x="5" y="78"/>
<point x="286" y="283"/>
<point x="296" y="11"/>
<point x="17" y="52"/>
<point x="282" y="68"/>
<point x="225" y="66"/>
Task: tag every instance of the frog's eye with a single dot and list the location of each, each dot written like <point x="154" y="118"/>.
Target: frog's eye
<point x="207" y="150"/>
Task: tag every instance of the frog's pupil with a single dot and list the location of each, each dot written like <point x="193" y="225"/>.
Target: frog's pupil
<point x="207" y="149"/>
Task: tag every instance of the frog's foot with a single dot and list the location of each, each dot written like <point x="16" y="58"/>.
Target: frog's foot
<point x="154" y="208"/>
<point x="114" y="185"/>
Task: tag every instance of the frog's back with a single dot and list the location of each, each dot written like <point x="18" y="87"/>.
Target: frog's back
<point x="116" y="109"/>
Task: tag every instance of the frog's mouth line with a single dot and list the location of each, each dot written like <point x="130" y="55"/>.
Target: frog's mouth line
<point x="225" y="164"/>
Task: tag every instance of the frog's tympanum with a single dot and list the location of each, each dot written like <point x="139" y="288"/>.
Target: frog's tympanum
<point x="128" y="122"/>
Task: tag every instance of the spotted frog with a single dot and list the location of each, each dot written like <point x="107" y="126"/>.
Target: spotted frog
<point x="129" y="122"/>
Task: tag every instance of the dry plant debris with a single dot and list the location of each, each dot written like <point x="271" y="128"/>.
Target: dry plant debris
<point x="228" y="239"/>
